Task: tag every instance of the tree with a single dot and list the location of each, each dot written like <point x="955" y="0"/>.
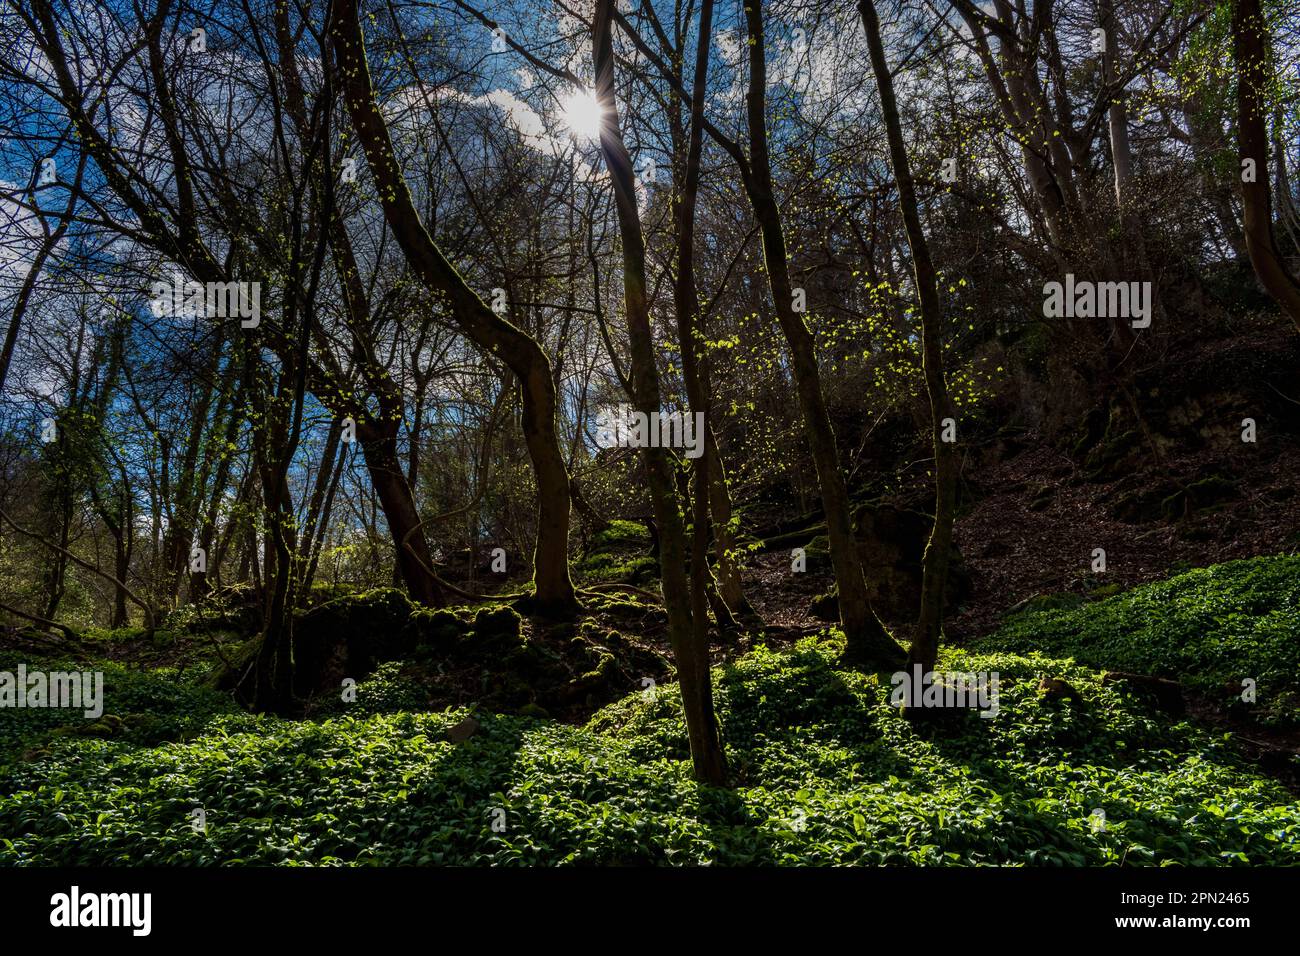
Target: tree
<point x="491" y="332"/>
<point x="934" y="577"/>
<point x="1251" y="50"/>
<point x="689" y="649"/>
<point x="867" y="642"/>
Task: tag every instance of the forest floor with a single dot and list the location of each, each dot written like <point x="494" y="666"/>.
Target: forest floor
<point x="1031" y="534"/>
<point x="1025" y="536"/>
<point x="823" y="772"/>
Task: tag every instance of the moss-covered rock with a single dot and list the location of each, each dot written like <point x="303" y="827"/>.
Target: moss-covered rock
<point x="1117" y="455"/>
<point x="798" y="538"/>
<point x="623" y="553"/>
<point x="349" y="636"/>
<point x="620" y="533"/>
<point x="1142" y="504"/>
<point x="497" y="629"/>
<point x="1042" y="496"/>
<point x="817" y="553"/>
<point x="1090" y="431"/>
<point x="826" y="606"/>
<point x="235" y="607"/>
<point x="439" y="629"/>
<point x="1199" y="496"/>
<point x="891" y="543"/>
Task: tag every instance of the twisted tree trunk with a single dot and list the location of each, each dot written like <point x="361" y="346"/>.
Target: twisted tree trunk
<point x="494" y="334"/>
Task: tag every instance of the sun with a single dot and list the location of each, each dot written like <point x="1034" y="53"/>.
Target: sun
<point x="581" y="114"/>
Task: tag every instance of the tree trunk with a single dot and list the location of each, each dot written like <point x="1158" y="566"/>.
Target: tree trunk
<point x="934" y="574"/>
<point x="1251" y="48"/>
<point x="322" y="527"/>
<point x="1288" y="216"/>
<point x="690" y="652"/>
<point x="709" y="493"/>
<point x="1133" y="245"/>
<point x="867" y="642"/>
<point x="724" y="541"/>
<point x="415" y="561"/>
<point x="518" y="350"/>
<point x="1026" y="121"/>
<point x="43" y="252"/>
<point x="273" y="690"/>
<point x="1121" y="150"/>
<point x="121" y="568"/>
